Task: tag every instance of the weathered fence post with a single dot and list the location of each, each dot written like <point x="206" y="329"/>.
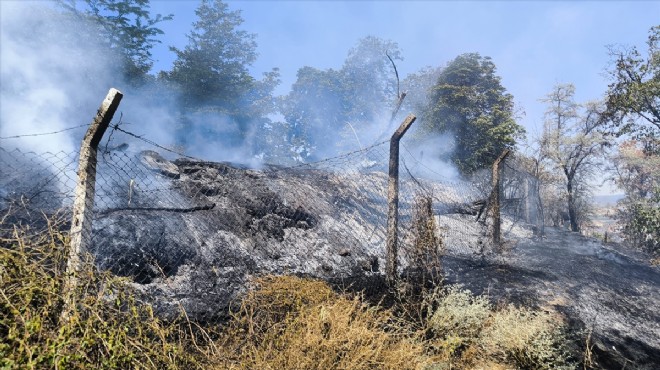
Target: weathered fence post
<point x="496" y="199"/>
<point x="393" y="201"/>
<point x="83" y="204"/>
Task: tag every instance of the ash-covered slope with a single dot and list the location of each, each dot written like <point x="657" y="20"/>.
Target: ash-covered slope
<point x="195" y="239"/>
<point x="231" y="223"/>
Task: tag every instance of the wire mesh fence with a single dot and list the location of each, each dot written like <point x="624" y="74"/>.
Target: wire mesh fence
<point x="190" y="233"/>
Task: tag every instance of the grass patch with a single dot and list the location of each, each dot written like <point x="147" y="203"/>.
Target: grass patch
<point x="294" y="323"/>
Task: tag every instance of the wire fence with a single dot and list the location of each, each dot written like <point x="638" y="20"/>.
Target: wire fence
<point x="191" y="233"/>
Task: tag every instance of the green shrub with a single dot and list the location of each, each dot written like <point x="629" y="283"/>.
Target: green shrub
<point x="466" y="332"/>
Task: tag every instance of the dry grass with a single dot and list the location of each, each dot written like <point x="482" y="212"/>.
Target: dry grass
<point x="293" y="323"/>
<point x="108" y="329"/>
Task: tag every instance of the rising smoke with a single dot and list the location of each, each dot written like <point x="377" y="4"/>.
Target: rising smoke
<point x="54" y="75"/>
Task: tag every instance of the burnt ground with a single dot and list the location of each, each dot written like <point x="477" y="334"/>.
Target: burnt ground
<point x="606" y="289"/>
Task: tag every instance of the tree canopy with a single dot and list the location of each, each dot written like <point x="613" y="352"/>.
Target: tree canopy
<point x="469" y="102"/>
<point x="213" y="67"/>
<point x="126" y="26"/>
<point x="322" y="103"/>
<point x="212" y="74"/>
<point x="633" y="96"/>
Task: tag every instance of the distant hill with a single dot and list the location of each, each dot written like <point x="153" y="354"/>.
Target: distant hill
<point x="607" y="200"/>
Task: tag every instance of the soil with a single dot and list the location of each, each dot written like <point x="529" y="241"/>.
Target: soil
<point x="604" y="288"/>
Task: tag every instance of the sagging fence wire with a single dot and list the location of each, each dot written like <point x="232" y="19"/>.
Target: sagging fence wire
<point x="190" y="232"/>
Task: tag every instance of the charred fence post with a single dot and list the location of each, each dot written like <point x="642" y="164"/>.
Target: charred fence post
<point x="393" y="201"/>
<point x="83" y="204"/>
<point x="496" y="199"/>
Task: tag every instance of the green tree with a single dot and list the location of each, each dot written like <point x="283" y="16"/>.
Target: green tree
<point x="212" y="71"/>
<point x="126" y="27"/>
<point x="633" y="111"/>
<point x="637" y="168"/>
<point x="324" y="104"/>
<point x="633" y="97"/>
<point x="469" y="102"/>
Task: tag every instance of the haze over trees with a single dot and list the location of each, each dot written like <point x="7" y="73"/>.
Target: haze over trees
<point x="124" y="26"/>
<point x="324" y="103"/>
<point x="215" y="97"/>
<point x="469" y="102"/>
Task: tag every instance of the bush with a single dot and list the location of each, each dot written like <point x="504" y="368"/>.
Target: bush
<point x="458" y="319"/>
<point x="529" y="339"/>
<point x="108" y="328"/>
<point x="294" y="323"/>
<point x="466" y="332"/>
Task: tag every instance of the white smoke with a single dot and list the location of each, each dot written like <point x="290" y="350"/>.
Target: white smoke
<point x="54" y="76"/>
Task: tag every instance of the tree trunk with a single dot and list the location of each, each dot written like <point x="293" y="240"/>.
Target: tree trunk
<point x="572" y="212"/>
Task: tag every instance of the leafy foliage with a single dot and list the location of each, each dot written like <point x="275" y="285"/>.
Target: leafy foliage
<point x="126" y="26"/>
<point x="469" y="101"/>
<point x="633" y="97"/>
<point x="323" y="103"/>
<point x="638" y="173"/>
<point x="633" y="110"/>
<point x="213" y="68"/>
<point x="212" y="75"/>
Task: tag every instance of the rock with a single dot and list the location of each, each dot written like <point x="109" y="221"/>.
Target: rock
<point x="155" y="162"/>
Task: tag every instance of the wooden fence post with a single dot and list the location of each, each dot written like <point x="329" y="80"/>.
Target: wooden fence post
<point x="393" y="201"/>
<point x="83" y="204"/>
<point x="496" y="199"/>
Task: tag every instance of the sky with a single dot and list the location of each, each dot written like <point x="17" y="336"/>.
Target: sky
<point x="534" y="45"/>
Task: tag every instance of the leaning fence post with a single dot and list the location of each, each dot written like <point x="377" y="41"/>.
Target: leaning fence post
<point x="393" y="201"/>
<point x="496" y="199"/>
<point x="83" y="204"/>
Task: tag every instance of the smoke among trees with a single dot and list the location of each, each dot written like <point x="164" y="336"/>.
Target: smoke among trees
<point x="59" y="58"/>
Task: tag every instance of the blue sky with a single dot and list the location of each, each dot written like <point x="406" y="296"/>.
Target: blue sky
<point x="534" y="44"/>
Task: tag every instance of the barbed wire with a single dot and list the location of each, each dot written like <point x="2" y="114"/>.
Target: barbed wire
<point x="43" y="133"/>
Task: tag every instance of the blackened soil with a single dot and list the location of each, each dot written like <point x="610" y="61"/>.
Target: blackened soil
<point x="608" y="289"/>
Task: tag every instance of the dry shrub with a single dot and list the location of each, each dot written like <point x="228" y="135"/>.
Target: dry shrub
<point x="293" y="323"/>
<point x="530" y="339"/>
<point x="457" y="320"/>
<point x="466" y="332"/>
<point x="107" y="329"/>
<point x="427" y="245"/>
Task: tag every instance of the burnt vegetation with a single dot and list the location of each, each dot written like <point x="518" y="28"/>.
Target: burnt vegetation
<point x="281" y="261"/>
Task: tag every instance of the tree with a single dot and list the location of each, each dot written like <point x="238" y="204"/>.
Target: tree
<point x="124" y="26"/>
<point x="212" y="73"/>
<point x="314" y="109"/>
<point x="633" y="97"/>
<point x="572" y="140"/>
<point x="633" y="111"/>
<point x="212" y="70"/>
<point x="469" y="101"/>
<point x="323" y="103"/>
